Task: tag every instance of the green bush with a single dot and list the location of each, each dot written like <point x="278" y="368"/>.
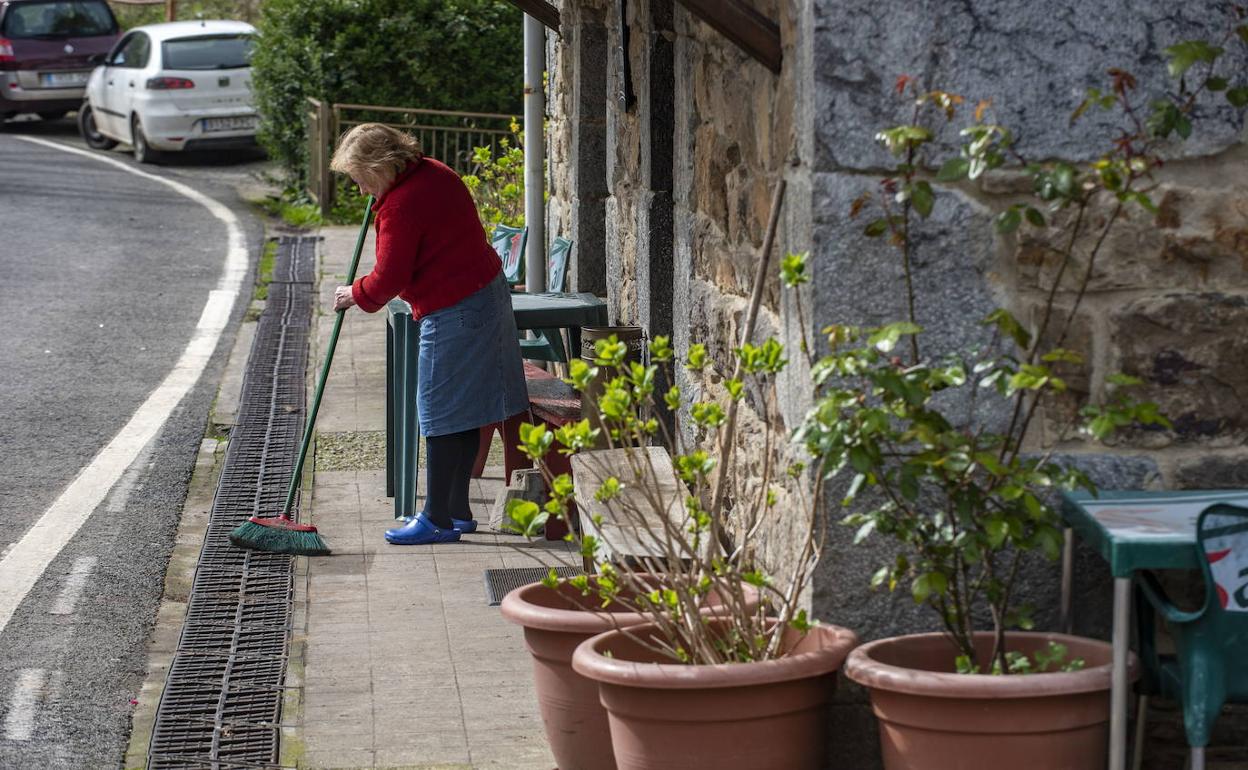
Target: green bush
<point x="497" y="184"/>
<point x="437" y="54"/>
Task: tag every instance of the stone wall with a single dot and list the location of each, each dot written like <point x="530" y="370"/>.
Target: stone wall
<point x="1165" y="303"/>
<point x="739" y="132"/>
<point x="688" y="166"/>
<point x="697" y="135"/>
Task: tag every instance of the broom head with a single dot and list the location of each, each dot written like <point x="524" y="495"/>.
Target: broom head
<point x="279" y="535"/>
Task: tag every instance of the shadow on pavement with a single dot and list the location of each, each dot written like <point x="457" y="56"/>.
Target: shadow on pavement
<point x="66" y="128"/>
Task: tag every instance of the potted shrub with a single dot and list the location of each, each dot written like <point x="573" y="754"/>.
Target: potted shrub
<point x="557" y="618"/>
<point x="727" y="670"/>
<point x="928" y="462"/>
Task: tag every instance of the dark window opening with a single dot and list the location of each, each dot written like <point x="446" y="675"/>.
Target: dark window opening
<point x="217" y="52"/>
<point x="58" y="19"/>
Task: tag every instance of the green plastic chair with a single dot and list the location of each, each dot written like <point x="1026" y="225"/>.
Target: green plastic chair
<point x="547" y="344"/>
<point x="1210" y="667"/>
<point x="509" y="243"/>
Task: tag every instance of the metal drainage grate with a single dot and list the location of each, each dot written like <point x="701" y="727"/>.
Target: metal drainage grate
<point x="500" y="582"/>
<point x="221" y="706"/>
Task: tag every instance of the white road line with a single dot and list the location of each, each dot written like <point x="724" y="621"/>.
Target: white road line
<point x="26" y="561"/>
<point x="28" y="692"/>
<point x="122" y="490"/>
<point x="74" y="585"/>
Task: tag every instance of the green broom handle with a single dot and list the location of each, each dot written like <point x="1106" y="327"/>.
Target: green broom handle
<point x="329" y="357"/>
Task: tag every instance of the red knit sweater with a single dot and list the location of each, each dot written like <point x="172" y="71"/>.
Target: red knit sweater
<point x="431" y="248"/>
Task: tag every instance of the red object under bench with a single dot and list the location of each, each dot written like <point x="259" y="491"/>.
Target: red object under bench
<point x="552" y="401"/>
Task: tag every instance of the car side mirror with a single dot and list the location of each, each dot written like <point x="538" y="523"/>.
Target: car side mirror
<point x="96" y="59"/>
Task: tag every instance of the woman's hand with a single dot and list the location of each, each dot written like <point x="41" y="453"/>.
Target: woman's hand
<point x="343" y="298"/>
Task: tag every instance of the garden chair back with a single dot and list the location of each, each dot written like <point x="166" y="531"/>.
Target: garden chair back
<point x="547" y="344"/>
<point x="1209" y="667"/>
<point x="509" y="243"/>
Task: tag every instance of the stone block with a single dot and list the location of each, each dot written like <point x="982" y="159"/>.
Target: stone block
<point x="1191" y="352"/>
<point x="1198" y="239"/>
<point x="526" y="484"/>
<point x="1212" y="471"/>
<point x="587" y="270"/>
<point x="1033" y="60"/>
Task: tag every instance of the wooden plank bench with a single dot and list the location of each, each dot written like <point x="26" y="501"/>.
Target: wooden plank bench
<point x="630" y="527"/>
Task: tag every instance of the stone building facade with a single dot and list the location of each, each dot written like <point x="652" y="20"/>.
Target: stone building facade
<point x="667" y="140"/>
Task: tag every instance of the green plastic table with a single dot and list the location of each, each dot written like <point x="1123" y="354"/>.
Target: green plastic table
<point x="546" y="310"/>
<point x="559" y="310"/>
<point x="1133" y="530"/>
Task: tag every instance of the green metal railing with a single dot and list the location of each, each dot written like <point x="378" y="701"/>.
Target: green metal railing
<point x="446" y="135"/>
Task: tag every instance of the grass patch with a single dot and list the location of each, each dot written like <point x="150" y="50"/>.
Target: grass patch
<point x="264" y="275"/>
<point x="296" y="210"/>
<point x="366" y="451"/>
<point x="351" y="451"/>
<point x="296" y="213"/>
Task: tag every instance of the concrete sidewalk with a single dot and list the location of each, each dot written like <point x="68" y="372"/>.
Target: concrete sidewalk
<point x="398" y="661"/>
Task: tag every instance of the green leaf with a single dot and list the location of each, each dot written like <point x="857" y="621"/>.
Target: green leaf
<point x="922" y="199"/>
<point x="927" y="585"/>
<point x="899" y="139"/>
<point x="1238" y="96"/>
<point x="996" y="529"/>
<point x="1034" y="217"/>
<point x="953" y="170"/>
<point x="1009" y="326"/>
<point x="1007" y="221"/>
<point x="876" y="228"/>
<point x="793" y="269"/>
<point x="1123" y="380"/>
<point x="1183" y="126"/>
<point x="1216" y="84"/>
<point x="1183" y="55"/>
<point x="864" y="531"/>
<point x="885" y="338"/>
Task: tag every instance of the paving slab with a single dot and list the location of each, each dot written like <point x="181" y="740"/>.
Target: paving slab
<point x="404" y="665"/>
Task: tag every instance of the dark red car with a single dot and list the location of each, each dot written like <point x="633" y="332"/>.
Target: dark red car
<point x="47" y="50"/>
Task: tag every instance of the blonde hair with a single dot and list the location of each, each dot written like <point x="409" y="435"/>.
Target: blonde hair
<point x="375" y="151"/>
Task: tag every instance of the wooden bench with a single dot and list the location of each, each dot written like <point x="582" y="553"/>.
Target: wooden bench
<point x="629" y="526"/>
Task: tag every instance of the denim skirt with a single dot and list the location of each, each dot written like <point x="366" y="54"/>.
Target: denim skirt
<point x="470" y="373"/>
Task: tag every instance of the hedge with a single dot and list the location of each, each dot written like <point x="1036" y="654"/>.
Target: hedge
<point x="437" y="54"/>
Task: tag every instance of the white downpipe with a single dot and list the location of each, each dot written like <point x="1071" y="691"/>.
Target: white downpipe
<point x="534" y="154"/>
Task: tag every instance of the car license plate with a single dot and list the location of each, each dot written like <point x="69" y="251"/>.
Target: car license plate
<point x="230" y="124"/>
<point x="63" y="79"/>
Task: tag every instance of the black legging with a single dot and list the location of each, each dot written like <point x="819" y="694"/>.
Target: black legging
<point x="448" y="469"/>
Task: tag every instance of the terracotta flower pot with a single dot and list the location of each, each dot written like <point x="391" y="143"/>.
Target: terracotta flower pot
<point x="554" y="625"/>
<point x="738" y="716"/>
<point x="934" y="719"/>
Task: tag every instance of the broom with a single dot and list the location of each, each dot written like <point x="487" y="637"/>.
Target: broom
<point x="281" y="534"/>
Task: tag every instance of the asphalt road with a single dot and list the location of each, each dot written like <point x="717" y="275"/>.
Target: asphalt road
<point x="104" y="277"/>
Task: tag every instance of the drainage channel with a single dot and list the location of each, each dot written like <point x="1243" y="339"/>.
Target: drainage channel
<point x="221" y="706"/>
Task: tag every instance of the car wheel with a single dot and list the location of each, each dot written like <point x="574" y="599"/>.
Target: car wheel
<point x="143" y="152"/>
<point x="57" y="115"/>
<point x="90" y="133"/>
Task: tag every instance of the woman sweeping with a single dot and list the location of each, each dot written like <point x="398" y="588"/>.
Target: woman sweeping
<point x="433" y="253"/>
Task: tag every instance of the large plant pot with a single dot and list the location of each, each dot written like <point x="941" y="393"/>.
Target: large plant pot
<point x="740" y="716"/>
<point x="934" y="719"/>
<point x="554" y="625"/>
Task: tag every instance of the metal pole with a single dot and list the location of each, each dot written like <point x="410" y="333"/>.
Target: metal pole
<point x="1068" y="579"/>
<point x="534" y="155"/>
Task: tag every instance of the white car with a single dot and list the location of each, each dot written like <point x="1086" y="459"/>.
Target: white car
<point x="185" y="85"/>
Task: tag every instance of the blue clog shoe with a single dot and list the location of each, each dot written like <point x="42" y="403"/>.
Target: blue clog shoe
<point x="421" y="531"/>
<point x="465" y="526"/>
